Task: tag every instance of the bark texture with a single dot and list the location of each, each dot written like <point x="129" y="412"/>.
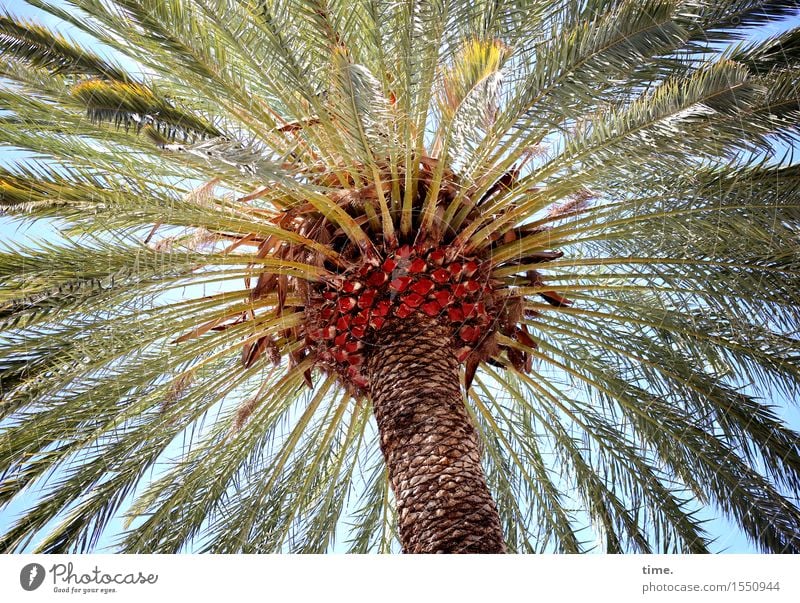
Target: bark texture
<point x="430" y="446"/>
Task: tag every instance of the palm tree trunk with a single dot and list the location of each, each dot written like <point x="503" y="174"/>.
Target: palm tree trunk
<point x="430" y="446"/>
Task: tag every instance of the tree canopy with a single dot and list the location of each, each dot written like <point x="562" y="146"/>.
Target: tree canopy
<point x="627" y="167"/>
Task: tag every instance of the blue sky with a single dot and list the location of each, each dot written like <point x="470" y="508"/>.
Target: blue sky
<point x="729" y="538"/>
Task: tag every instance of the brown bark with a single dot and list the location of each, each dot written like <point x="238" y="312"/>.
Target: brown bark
<point x="429" y="443"/>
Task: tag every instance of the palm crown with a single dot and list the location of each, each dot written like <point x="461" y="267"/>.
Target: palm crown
<point x="589" y="207"/>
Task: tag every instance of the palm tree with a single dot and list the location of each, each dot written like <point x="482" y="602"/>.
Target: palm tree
<point x="552" y="247"/>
